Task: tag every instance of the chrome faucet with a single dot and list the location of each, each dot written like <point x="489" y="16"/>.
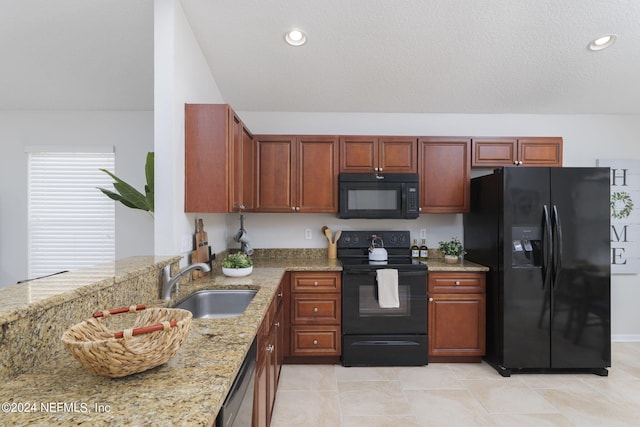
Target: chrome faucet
<point x="169" y="282"/>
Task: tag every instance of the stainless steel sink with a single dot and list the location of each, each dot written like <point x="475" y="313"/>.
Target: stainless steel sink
<point x="218" y="303"/>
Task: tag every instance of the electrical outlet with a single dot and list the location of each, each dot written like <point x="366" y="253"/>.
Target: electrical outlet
<point x="187" y="243"/>
<point x="307" y="234"/>
<point x="423" y="233"/>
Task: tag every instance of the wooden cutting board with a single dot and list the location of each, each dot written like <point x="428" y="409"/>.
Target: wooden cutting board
<point x="202" y="247"/>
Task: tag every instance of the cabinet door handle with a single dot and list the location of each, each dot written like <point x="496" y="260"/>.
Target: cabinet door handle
<point x="270" y="348"/>
<point x="293" y="208"/>
<point x="380" y="169"/>
<point x="279" y="294"/>
<point x="430" y="299"/>
<point x="277" y="324"/>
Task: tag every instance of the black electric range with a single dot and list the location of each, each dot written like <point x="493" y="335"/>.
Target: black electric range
<point x="372" y="335"/>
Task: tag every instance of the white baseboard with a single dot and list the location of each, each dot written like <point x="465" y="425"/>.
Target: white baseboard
<point x="625" y="338"/>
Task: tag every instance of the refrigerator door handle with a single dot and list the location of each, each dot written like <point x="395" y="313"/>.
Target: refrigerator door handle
<point x="547" y="252"/>
<point x="557" y="247"/>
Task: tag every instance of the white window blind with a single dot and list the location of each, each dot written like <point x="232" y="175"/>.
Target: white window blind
<point x="71" y="223"/>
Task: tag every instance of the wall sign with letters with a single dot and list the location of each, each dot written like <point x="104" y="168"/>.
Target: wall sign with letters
<point x="625" y="214"/>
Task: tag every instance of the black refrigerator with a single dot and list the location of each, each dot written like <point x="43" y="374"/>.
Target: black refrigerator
<point x="544" y="233"/>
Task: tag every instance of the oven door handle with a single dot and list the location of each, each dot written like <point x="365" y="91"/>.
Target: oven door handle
<point x="385" y="342"/>
<point x="373" y="272"/>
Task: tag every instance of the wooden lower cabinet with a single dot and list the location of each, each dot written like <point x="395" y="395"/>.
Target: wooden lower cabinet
<point x="269" y="361"/>
<point x="456" y="324"/>
<point x="314" y="317"/>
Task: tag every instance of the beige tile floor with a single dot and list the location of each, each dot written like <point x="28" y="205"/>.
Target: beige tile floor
<point x="458" y="395"/>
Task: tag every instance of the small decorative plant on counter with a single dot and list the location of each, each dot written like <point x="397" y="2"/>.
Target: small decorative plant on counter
<point x="237" y="265"/>
<point x="451" y="249"/>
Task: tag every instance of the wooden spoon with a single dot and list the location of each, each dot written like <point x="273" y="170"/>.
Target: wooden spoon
<point x="327" y="232"/>
<point x="337" y="236"/>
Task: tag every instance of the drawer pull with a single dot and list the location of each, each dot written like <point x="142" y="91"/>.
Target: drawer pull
<point x="315" y="342"/>
<point x="315" y="309"/>
<point x="315" y="283"/>
<point x="457" y="282"/>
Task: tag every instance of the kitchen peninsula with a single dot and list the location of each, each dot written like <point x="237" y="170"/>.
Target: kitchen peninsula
<point x="44" y="385"/>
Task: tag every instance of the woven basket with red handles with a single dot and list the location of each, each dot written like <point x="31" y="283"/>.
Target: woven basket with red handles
<point x="154" y="338"/>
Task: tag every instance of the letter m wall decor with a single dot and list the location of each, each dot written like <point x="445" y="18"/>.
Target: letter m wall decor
<point x="625" y="215"/>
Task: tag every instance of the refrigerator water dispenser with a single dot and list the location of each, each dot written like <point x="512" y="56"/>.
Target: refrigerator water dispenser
<point x="526" y="246"/>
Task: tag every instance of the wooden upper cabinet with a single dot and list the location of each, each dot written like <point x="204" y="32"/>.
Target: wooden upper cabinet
<point x="219" y="156"/>
<point x="531" y="151"/>
<point x="241" y="167"/>
<point x="208" y="136"/>
<point x="247" y="163"/>
<point x="317" y="174"/>
<point x="296" y="173"/>
<point x="541" y="151"/>
<point x="274" y="173"/>
<point x="387" y="154"/>
<point x="358" y="154"/>
<point x="445" y="174"/>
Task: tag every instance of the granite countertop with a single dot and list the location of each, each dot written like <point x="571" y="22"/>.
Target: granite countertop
<point x="187" y="390"/>
<point x="438" y="264"/>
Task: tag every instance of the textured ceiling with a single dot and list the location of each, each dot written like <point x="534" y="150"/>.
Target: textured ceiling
<point x="458" y="56"/>
<point x="451" y="56"/>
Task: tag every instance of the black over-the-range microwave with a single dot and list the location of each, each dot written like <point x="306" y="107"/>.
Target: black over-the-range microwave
<point x="380" y="196"/>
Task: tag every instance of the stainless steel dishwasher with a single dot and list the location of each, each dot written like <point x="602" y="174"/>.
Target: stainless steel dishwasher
<point x="237" y="409"/>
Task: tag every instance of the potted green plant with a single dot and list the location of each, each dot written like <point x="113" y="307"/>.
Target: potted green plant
<point x="128" y="195"/>
<point x="237" y="265"/>
<point x="451" y="249"/>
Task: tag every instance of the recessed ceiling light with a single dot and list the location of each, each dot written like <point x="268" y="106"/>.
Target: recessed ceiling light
<point x="295" y="37"/>
<point x="602" y="42"/>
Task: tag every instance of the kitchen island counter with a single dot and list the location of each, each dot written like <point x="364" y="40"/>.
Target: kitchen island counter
<point x="187" y="390"/>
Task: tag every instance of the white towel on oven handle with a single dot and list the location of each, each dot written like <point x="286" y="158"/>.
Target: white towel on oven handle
<point x="388" y="288"/>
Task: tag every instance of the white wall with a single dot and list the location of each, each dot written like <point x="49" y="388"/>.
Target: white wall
<point x="130" y="132"/>
<point x="181" y="76"/>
